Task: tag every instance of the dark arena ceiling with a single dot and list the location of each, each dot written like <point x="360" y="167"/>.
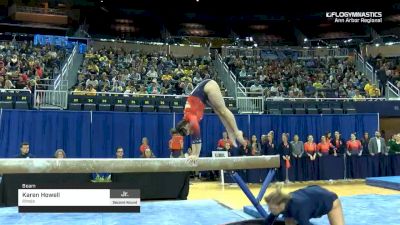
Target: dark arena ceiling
<point x="267" y="22"/>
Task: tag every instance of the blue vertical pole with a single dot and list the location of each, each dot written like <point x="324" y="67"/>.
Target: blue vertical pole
<point x="265" y="184"/>
<point x="249" y="195"/>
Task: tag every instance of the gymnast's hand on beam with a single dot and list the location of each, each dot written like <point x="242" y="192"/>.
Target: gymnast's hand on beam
<point x="193" y="159"/>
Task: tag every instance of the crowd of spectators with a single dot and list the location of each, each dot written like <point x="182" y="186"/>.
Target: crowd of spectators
<point x="23" y="65"/>
<point x="327" y="145"/>
<point x="133" y="72"/>
<point x="302" y="78"/>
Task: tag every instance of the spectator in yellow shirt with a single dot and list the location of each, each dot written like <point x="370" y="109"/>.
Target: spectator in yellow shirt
<point x="317" y="84"/>
<point x="79" y="90"/>
<point x="358" y="96"/>
<point x="166" y="77"/>
<point x="93" y="68"/>
<point x="368" y="86"/>
<point x="374" y="91"/>
<point x="91" y="91"/>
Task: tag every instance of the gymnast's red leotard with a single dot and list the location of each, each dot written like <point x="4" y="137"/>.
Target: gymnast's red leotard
<point x="194" y="110"/>
<point x="193" y="113"/>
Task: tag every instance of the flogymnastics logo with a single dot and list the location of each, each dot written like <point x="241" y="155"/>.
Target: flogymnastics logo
<point x="355" y="17"/>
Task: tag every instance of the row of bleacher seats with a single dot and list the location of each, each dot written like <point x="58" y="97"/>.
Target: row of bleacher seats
<point x="20" y="100"/>
<point x="309" y="107"/>
<point x="23" y="100"/>
<point x="134" y="104"/>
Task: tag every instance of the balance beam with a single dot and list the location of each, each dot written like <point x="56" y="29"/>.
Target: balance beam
<point x="40" y="165"/>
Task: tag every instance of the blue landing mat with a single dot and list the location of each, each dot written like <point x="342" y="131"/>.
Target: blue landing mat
<point x="361" y="210"/>
<point x="200" y="212"/>
<point x="385" y="182"/>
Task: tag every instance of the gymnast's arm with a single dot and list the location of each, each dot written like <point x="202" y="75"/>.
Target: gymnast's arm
<point x="196" y="137"/>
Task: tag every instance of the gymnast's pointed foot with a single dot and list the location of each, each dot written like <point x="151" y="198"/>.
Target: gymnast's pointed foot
<point x="239" y="137"/>
<point x="232" y="138"/>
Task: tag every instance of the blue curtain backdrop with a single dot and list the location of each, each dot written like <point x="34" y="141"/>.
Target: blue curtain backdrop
<point x="97" y="134"/>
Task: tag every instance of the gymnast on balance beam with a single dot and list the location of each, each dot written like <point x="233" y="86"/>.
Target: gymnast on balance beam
<point x="206" y="92"/>
<point x="300" y="206"/>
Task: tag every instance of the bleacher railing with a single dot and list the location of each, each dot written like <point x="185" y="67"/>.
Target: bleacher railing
<point x="46" y="96"/>
<point x="392" y="92"/>
<point x="324" y="99"/>
<point x="250" y="104"/>
<point x="39" y="10"/>
<point x="14" y="90"/>
<point x="228" y="78"/>
<point x="115" y="94"/>
<point x="297" y="52"/>
<point x="65" y="69"/>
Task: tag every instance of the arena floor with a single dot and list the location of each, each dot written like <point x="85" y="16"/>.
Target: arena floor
<point x="210" y="203"/>
<point x="233" y="197"/>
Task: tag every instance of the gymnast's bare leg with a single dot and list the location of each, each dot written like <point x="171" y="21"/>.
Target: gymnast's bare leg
<point x="216" y="101"/>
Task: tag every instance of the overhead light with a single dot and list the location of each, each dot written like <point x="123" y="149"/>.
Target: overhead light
<point x="305" y="39"/>
<point x="390" y="43"/>
<point x="377" y="45"/>
<point x="349" y="40"/>
<point x="255" y="45"/>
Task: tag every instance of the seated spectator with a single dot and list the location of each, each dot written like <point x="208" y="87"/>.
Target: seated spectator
<point x="116" y="88"/>
<point x="256" y="87"/>
<point x="91" y="91"/>
<point x="324" y="147"/>
<point x="119" y="153"/>
<point x="310" y="148"/>
<point x="374" y="92"/>
<point x="354" y="146"/>
<point x="339" y="144"/>
<point x="242" y="73"/>
<point x="224" y="140"/>
<point x="153" y="88"/>
<point x="176" y="144"/>
<point x="8" y="84"/>
<point x="145" y="145"/>
<point x="188" y="87"/>
<point x="197" y="79"/>
<point x="93" y="68"/>
<point x="22" y="82"/>
<point x="368" y="86"/>
<point x="285" y="148"/>
<point x="24" y="151"/>
<point x="394" y="144"/>
<point x="358" y="96"/>
<point x="147" y="154"/>
<point x="317" y="84"/>
<point x="79" y="90"/>
<point x="255" y="146"/>
<point x="92" y="81"/>
<point x="310" y="90"/>
<point x="60" y="154"/>
<point x="152" y="73"/>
